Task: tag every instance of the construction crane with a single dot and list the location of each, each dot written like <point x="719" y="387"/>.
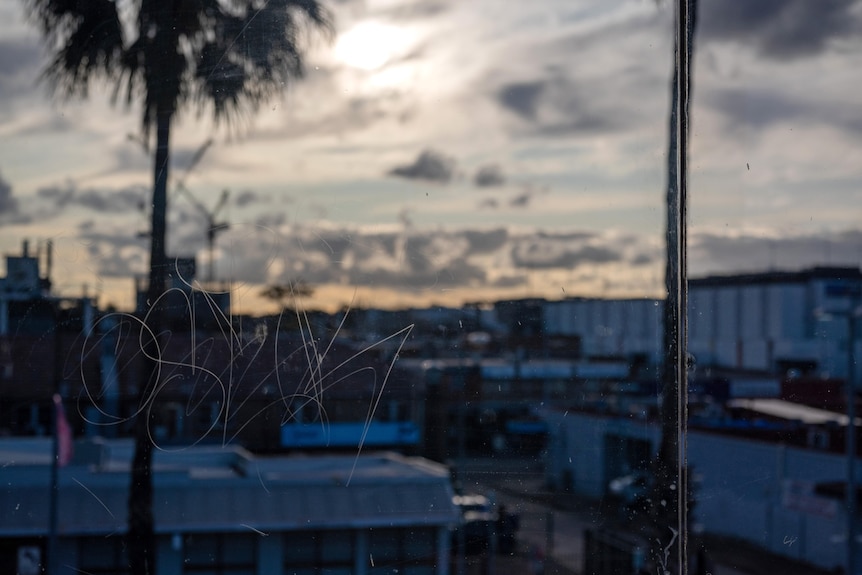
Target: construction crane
<point x="213" y="225"/>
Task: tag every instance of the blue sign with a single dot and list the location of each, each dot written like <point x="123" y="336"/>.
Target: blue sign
<point x="350" y="434"/>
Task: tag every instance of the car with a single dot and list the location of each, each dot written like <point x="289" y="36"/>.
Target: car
<point x="477" y="520"/>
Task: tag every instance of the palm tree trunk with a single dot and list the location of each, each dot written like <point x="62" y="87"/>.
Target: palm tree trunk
<point x="141" y="538"/>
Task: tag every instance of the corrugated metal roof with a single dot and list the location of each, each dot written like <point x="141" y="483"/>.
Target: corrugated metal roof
<point x="279" y="493"/>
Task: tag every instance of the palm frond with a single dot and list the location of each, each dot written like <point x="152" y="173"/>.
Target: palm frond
<point x="86" y="39"/>
<point x="253" y="53"/>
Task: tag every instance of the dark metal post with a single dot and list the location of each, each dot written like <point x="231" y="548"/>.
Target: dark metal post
<point x="851" y="436"/>
<point x="54" y="495"/>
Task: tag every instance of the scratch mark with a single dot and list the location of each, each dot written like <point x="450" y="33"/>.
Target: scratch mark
<point x="258" y="531"/>
<point x="96" y="497"/>
<point x="260" y="477"/>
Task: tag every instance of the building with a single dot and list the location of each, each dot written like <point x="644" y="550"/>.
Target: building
<point x="775" y="478"/>
<point x="223" y="510"/>
<point x="773" y="322"/>
<point x="42" y="343"/>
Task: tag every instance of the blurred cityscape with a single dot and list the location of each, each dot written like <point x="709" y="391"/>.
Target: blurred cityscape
<point x="534" y="402"/>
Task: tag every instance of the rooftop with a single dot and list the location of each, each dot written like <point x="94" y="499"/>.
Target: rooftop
<point x="259" y="493"/>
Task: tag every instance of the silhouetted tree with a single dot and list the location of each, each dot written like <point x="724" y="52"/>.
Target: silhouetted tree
<point x="284" y="293"/>
<point x="227" y="56"/>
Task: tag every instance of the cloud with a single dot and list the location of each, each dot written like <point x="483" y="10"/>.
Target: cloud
<point x="522" y="98"/>
<point x="560" y="106"/>
<point x="430" y="166"/>
<point x="419" y="258"/>
<point x="8" y="203"/>
<point x="116" y="252"/>
<point x="415" y="10"/>
<point x="754" y="109"/>
<point x="523" y="199"/>
<point x="485" y="241"/>
<point x="780" y="29"/>
<point x="249" y="197"/>
<point x="18" y="61"/>
<point x="554" y="252"/>
<point x="758" y="252"/>
<point x="489" y="176"/>
<point x="117" y="201"/>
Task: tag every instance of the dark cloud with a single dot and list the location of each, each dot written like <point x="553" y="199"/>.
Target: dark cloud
<point x="120" y="200"/>
<point x="558" y="106"/>
<point x="112" y="201"/>
<point x="485" y="241"/>
<point x="510" y="282"/>
<point x="565" y="236"/>
<point x="59" y="195"/>
<point x="549" y="252"/>
<point x="780" y="29"/>
<point x="714" y="253"/>
<point x="523" y="199"/>
<point x="19" y="61"/>
<point x="489" y="176"/>
<point x="522" y="98"/>
<point x="457" y="273"/>
<point x="429" y="166"/>
<point x="643" y="259"/>
<point x="755" y="109"/>
<point x="8" y="203"/>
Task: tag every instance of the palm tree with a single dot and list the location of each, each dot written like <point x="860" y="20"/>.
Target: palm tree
<point x="227" y="56"/>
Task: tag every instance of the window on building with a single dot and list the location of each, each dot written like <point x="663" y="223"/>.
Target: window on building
<point x="220" y="554"/>
<point x="409" y="551"/>
<point x="103" y="555"/>
<point x="319" y="552"/>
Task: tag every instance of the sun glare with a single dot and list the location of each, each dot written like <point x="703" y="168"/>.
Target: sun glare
<point x="370" y="45"/>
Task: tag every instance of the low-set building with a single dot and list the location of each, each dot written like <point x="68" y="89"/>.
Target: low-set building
<point x="224" y="510"/>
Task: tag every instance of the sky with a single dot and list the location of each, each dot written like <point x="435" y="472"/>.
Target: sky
<point x="439" y="152"/>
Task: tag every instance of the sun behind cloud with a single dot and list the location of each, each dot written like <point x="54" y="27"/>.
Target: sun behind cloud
<point x="370" y="45"/>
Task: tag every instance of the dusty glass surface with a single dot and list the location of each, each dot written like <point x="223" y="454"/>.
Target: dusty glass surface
<point x="414" y="307"/>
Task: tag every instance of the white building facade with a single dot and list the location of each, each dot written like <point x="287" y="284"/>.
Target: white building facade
<point x="763" y="321"/>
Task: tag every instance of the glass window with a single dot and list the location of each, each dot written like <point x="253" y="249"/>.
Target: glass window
<point x="103" y="555"/>
<point x="318" y="552"/>
<point x="220" y="554"/>
<point x="463" y="221"/>
<point x="394" y="549"/>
